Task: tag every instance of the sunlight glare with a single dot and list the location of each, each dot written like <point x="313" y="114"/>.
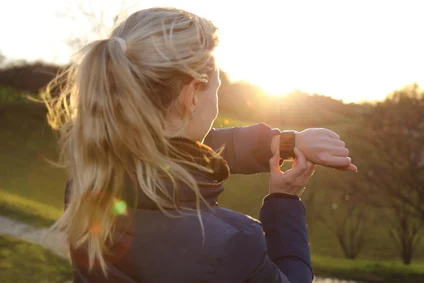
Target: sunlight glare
<point x="349" y="50"/>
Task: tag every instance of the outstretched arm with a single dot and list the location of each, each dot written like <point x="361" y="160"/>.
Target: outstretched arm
<point x="246" y="149"/>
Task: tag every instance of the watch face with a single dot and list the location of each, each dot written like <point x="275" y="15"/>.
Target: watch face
<point x="287" y="140"/>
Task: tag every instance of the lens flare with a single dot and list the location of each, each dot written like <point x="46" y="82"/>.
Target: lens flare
<point x="95" y="228"/>
<point x="119" y="207"/>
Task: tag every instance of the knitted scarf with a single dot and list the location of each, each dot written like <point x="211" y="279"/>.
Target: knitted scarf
<point x="198" y="153"/>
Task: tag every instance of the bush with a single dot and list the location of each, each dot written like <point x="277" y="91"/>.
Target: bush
<point x="9" y="96"/>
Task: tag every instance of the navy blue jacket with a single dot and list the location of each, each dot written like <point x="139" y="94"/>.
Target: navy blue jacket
<point x="235" y="247"/>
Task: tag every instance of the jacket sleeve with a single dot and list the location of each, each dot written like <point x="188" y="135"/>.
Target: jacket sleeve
<point x="246" y="149"/>
<point x="284" y="224"/>
<point x="282" y="256"/>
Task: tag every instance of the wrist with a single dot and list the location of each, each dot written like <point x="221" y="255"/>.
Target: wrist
<point x="275" y="144"/>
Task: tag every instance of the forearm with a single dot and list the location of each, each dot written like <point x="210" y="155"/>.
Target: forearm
<point x="246" y="149"/>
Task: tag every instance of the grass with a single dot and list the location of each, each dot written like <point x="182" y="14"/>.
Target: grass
<point x="40" y="265"/>
<point x="27" y="143"/>
<point x="28" y="211"/>
<point x="368" y="271"/>
<point x="31" y="189"/>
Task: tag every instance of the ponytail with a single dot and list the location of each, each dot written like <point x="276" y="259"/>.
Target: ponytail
<point x="111" y="114"/>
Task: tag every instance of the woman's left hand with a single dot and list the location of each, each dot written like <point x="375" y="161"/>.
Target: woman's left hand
<point x="293" y="181"/>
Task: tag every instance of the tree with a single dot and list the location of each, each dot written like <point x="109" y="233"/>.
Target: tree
<point x="347" y="217"/>
<point x="244" y="101"/>
<point x="2" y="58"/>
<point x="394" y="168"/>
<point x="89" y="21"/>
<point x="405" y="231"/>
<point x="397" y="129"/>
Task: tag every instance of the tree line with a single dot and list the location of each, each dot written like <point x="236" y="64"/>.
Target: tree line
<point x="387" y="144"/>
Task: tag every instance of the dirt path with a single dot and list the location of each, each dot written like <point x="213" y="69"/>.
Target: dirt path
<point x="54" y="241"/>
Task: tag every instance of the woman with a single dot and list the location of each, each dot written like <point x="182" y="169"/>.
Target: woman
<point x="141" y="203"/>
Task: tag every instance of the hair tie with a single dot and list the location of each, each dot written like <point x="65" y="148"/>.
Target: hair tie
<point x="121" y="42"/>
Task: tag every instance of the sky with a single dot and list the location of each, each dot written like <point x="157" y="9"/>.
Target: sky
<point x="353" y="50"/>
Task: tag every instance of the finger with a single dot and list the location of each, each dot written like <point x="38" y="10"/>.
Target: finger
<point x="337" y="142"/>
<point x="274" y="164"/>
<point x="339" y="151"/>
<point x="352" y="167"/>
<point x="299" y="166"/>
<point x="294" y="162"/>
<point x="304" y="178"/>
<point x="309" y="171"/>
<point x="299" y="184"/>
<point x="336" y="161"/>
<point x="331" y="134"/>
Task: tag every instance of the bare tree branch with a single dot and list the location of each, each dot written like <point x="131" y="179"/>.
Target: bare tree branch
<point x="94" y="21"/>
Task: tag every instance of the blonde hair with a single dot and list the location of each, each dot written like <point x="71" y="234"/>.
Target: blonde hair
<point x="111" y="115"/>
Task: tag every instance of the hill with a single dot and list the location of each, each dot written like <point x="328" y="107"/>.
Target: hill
<point x="28" y="77"/>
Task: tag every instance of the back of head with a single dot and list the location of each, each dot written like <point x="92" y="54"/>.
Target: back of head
<point x="112" y="116"/>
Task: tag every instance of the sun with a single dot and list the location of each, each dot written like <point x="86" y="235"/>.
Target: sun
<point x="272" y="86"/>
<point x="278" y="80"/>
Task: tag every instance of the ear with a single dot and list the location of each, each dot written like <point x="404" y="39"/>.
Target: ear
<point x="188" y="97"/>
<point x="195" y="99"/>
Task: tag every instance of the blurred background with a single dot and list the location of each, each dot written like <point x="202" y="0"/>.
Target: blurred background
<point x="355" y="67"/>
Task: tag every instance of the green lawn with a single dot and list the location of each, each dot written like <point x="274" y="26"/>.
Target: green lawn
<point x="27" y="144"/>
<point x="39" y="265"/>
<point x="368" y="271"/>
<point x="26" y="210"/>
<point x="31" y="190"/>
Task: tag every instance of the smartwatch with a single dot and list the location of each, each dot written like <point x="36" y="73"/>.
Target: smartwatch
<point x="287" y="144"/>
